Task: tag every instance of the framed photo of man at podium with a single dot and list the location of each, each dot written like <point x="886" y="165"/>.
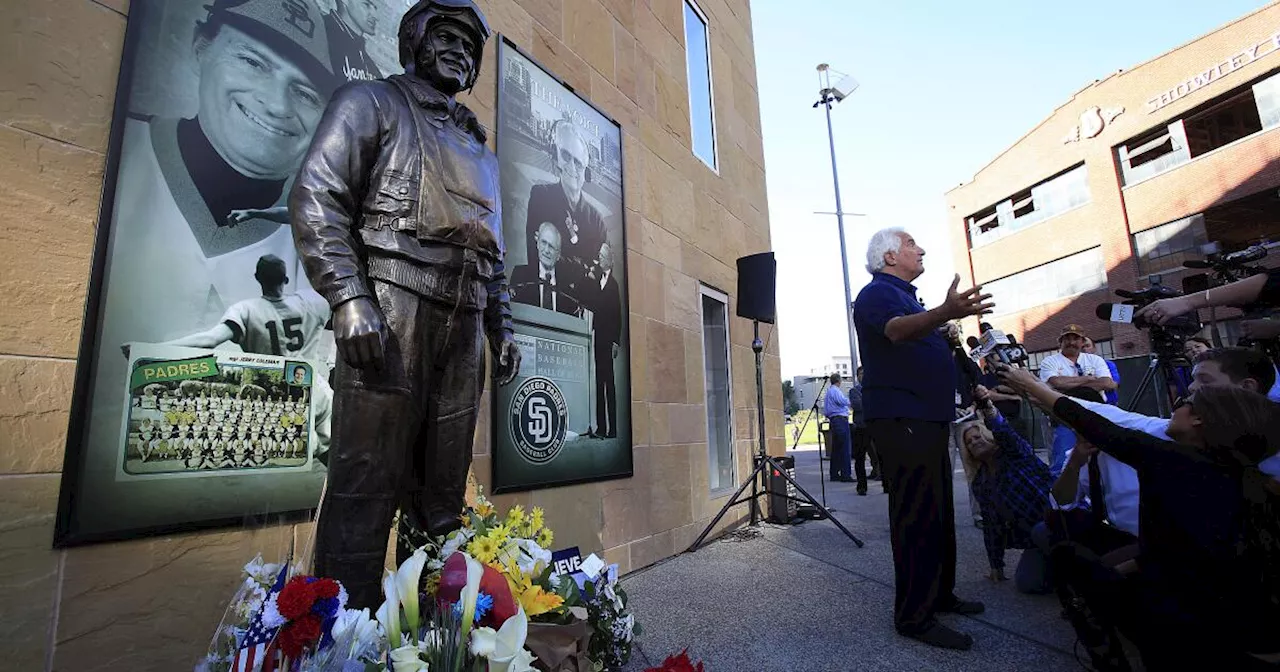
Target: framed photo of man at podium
<point x="566" y="418"/>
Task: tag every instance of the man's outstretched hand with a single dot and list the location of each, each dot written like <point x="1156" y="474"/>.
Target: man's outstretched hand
<point x="969" y="302"/>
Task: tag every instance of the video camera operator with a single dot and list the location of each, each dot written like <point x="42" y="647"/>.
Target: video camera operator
<point x="1205" y="594"/>
<point x="1263" y="289"/>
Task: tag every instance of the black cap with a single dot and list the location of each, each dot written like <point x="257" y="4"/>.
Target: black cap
<point x="271" y="270"/>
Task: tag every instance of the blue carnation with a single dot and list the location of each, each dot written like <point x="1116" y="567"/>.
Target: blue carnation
<point x="325" y="606"/>
<point x="484" y="602"/>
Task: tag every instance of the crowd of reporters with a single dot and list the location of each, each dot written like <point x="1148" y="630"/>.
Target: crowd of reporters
<point x="1164" y="533"/>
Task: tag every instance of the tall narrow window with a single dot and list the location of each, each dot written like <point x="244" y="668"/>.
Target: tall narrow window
<point x="698" y="56"/>
<point x="715" y="364"/>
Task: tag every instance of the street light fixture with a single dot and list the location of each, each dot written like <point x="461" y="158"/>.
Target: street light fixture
<point x="828" y="95"/>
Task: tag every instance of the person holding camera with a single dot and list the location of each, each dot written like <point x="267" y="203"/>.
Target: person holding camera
<point x="909" y="399"/>
<point x="1205" y="588"/>
<point x="1067" y="369"/>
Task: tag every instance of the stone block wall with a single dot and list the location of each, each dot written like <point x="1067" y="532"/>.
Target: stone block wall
<point x="152" y="604"/>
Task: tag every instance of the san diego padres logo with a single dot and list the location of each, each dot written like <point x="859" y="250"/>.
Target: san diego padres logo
<point x="539" y="419"/>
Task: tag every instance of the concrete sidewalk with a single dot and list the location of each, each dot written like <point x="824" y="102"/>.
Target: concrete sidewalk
<point x="806" y="598"/>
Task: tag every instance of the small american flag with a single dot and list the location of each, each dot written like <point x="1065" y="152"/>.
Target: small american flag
<point x="256" y="652"/>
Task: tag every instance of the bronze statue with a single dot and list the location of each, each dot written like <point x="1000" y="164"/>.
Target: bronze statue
<point x="396" y="216"/>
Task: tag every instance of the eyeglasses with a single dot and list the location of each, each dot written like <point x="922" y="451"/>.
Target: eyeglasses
<point x="1180" y="402"/>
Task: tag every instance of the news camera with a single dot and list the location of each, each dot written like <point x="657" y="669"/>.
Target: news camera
<point x="1166" y="339"/>
<point x="1229" y="267"/>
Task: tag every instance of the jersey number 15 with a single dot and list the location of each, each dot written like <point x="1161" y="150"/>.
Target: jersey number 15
<point x="291" y="331"/>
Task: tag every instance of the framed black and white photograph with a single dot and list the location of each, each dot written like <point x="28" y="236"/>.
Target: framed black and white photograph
<point x="566" y="417"/>
<point x="196" y="282"/>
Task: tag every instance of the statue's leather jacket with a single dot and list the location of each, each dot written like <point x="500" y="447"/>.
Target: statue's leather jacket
<point x="399" y="186"/>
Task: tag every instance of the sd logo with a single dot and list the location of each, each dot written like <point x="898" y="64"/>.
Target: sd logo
<point x="538" y="420"/>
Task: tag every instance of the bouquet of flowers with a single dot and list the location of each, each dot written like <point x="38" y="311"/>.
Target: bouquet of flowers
<point x="461" y="603"/>
<point x="299" y="624"/>
<point x="515" y="546"/>
<point x="614" y="627"/>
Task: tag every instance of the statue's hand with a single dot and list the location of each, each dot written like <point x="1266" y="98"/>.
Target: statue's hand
<point x="360" y="332"/>
<point x="508" y="354"/>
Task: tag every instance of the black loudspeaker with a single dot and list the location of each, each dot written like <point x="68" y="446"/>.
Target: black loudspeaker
<point x="757" y="284"/>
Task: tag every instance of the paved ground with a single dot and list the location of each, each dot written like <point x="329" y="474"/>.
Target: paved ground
<point x="804" y="598"/>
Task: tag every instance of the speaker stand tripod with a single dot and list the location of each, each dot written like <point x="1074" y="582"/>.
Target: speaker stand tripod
<point x="762" y="462"/>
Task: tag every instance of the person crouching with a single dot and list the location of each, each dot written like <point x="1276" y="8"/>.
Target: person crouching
<point x="1010" y="483"/>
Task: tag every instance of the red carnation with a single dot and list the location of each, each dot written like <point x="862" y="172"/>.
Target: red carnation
<point x="296" y="598"/>
<point x="324" y="588"/>
<point x="299" y="635"/>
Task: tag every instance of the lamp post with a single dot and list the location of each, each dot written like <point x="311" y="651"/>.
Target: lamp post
<point x="828" y="96"/>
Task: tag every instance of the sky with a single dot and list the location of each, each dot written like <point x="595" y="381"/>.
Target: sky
<point x="944" y="87"/>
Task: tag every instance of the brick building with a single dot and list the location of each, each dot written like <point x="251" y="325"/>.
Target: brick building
<point x="1137" y="173"/>
<point x="695" y="201"/>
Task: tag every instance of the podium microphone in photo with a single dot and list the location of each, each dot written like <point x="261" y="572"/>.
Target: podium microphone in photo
<point x="757" y="285"/>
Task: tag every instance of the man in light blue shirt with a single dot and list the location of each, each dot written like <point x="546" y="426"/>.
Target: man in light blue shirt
<point x="835" y="405"/>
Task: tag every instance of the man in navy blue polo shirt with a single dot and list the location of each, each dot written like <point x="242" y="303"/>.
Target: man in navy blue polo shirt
<point x="908" y="398"/>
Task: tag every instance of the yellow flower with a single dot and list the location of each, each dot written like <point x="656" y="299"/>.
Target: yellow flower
<point x="536" y="518"/>
<point x="499" y="533"/>
<point x="536" y="601"/>
<point x="483" y="507"/>
<point x="515" y="516"/>
<point x="433" y="583"/>
<point x="545" y="537"/>
<point x="483" y="549"/>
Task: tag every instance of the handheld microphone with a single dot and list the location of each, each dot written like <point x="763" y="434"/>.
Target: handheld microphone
<point x="974" y="346"/>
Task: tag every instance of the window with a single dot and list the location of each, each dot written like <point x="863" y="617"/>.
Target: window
<point x="1235" y="115"/>
<point x="1267" y="95"/>
<point x="715" y="364"/>
<point x="698" y="57"/>
<point x="1068" y="276"/>
<point x="1167" y="246"/>
<point x="1224" y="123"/>
<point x="1054" y="196"/>
<point x="1034" y="359"/>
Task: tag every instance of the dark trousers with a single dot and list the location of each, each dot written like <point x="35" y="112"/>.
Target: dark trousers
<point x="841" y="448"/>
<point x="915" y="462"/>
<point x="606" y="392"/>
<point x="862" y="449"/>
<point x="402" y="437"/>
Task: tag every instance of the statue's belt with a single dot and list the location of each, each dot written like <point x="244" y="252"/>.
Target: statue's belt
<point x="461" y="287"/>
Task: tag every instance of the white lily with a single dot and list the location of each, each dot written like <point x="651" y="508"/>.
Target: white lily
<point x="389" y="612"/>
<point x="522" y="662"/>
<point x="407" y="659"/>
<point x="407" y="584"/>
<point x="470" y="592"/>
<point x="484" y="641"/>
<point x="504" y="648"/>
